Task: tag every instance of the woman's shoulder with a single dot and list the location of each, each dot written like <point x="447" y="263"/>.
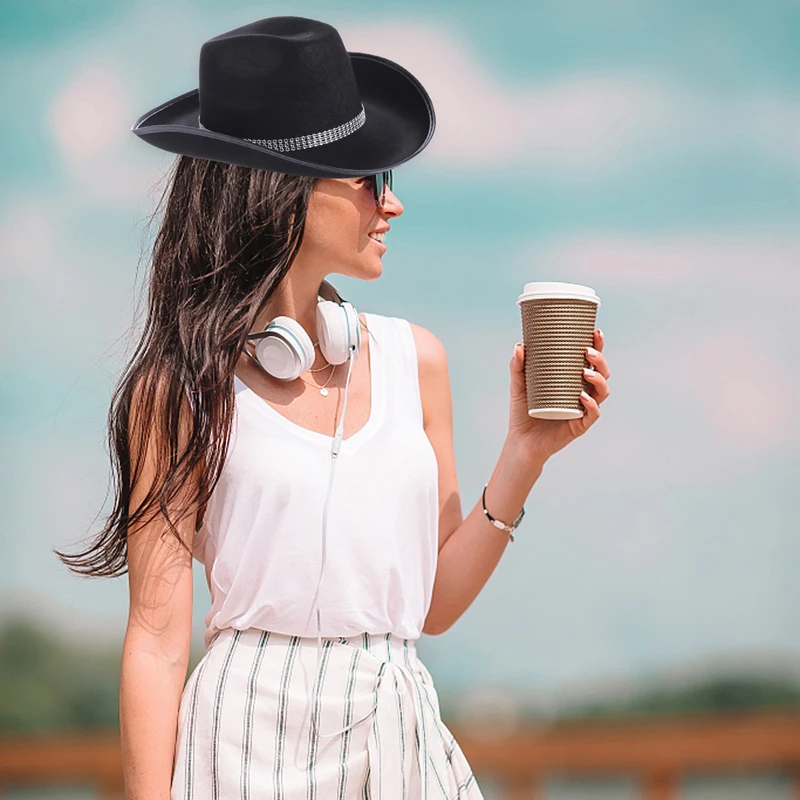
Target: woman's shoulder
<point x="431" y="358"/>
<point x="431" y="352"/>
<point x="433" y="372"/>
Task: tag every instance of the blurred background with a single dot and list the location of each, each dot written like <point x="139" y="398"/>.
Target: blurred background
<point x="647" y="148"/>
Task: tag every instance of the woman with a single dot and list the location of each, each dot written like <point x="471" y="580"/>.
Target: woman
<point x="230" y="420"/>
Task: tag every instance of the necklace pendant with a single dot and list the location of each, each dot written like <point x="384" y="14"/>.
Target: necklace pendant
<point x="323" y="391"/>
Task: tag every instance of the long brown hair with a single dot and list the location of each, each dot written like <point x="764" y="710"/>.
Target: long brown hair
<point x="226" y="240"/>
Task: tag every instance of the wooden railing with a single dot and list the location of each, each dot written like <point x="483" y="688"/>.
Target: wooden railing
<point x="63" y="760"/>
<point x="659" y="752"/>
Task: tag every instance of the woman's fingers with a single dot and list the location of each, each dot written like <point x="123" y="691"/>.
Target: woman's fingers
<point x="601" y="390"/>
<point x="598" y="361"/>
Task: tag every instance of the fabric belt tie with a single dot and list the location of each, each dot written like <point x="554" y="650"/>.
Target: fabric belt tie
<point x="403" y="704"/>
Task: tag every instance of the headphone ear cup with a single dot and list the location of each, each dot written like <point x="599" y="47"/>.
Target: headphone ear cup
<point x="354" y="326"/>
<point x="287" y="352"/>
<point x="336" y="330"/>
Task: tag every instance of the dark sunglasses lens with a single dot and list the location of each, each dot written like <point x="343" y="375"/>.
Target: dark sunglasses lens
<point x="382" y="180"/>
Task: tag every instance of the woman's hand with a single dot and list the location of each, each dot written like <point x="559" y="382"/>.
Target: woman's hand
<point x="535" y="440"/>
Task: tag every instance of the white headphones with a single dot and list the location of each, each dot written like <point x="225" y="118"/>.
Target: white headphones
<point x="285" y="350"/>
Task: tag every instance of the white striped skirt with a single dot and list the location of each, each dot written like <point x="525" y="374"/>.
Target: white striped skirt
<point x="258" y="720"/>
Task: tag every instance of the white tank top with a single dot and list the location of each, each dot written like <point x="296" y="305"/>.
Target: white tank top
<point x="261" y="537"/>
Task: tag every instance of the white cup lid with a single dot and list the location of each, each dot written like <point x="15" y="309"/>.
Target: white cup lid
<point x="540" y="289"/>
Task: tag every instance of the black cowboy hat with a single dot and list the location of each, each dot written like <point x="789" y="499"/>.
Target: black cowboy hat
<point x="283" y="94"/>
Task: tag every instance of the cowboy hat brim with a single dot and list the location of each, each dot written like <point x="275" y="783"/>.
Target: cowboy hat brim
<point x="399" y="124"/>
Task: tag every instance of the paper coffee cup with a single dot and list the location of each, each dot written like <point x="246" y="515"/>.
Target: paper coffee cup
<point x="558" y="324"/>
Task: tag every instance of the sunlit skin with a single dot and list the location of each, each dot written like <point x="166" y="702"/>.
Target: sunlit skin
<point x="342" y="212"/>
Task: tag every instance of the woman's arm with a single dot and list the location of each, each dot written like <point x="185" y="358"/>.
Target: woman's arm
<point x="156" y="647"/>
<point x="469" y="549"/>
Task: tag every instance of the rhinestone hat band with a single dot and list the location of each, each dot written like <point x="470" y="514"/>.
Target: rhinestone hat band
<point x="310" y="139"/>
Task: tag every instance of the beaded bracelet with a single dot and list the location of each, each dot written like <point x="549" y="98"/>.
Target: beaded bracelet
<point x="496" y="522"/>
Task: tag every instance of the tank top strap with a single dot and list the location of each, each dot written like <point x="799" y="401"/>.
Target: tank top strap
<point x="399" y="359"/>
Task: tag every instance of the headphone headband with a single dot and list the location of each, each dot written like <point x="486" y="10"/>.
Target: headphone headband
<point x="327" y="291"/>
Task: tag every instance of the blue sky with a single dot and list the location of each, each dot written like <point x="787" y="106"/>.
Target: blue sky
<point x="648" y="149"/>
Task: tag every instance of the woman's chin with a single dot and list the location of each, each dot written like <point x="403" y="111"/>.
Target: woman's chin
<point x="371" y="268"/>
<point x="374" y="272"/>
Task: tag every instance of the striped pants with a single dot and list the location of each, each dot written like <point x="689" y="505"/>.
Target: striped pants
<point x="257" y="721"/>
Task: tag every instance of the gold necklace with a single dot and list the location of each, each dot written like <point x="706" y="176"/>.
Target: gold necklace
<point x="322" y="390"/>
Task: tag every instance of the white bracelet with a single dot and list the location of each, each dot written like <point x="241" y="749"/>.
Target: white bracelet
<point x="497" y="523"/>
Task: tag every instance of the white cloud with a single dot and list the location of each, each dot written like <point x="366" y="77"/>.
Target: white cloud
<point x="745" y="259"/>
<point x="90" y="113"/>
<point x="578" y="126"/>
<point x="30" y="244"/>
<point x="741" y="391"/>
<point x="90" y="120"/>
<point x="578" y="123"/>
<point x="53" y="277"/>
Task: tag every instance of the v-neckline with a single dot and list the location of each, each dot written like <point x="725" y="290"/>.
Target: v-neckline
<point x="376" y="374"/>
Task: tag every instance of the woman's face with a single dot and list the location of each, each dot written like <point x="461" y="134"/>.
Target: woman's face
<point x="342" y="213"/>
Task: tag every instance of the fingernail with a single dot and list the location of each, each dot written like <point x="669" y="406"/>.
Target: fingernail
<point x="601" y="333"/>
<point x="591" y="351"/>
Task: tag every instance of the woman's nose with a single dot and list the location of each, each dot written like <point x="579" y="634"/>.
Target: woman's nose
<point x="391" y="204"/>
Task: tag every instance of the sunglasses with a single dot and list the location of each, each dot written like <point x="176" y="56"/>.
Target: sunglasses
<point x="379" y="184"/>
